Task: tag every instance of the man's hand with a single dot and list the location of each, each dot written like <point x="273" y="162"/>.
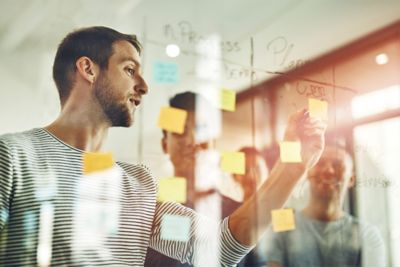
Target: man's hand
<point x="310" y="133"/>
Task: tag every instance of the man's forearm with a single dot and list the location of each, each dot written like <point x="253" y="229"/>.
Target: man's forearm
<point x="251" y="219"/>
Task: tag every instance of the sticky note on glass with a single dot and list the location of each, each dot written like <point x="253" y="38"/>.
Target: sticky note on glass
<point x="96" y="162"/>
<point x="290" y="151"/>
<point x="165" y="72"/>
<point x="318" y="108"/>
<point x="283" y="220"/>
<point x="175" y="228"/>
<point x="172" y="189"/>
<point x="233" y="162"/>
<point x="172" y="119"/>
<point x="228" y="100"/>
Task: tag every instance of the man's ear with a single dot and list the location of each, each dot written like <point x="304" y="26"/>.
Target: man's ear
<point x="164" y="143"/>
<point x="87" y="69"/>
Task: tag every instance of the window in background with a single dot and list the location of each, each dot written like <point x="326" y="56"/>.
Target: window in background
<point x="376" y="102"/>
<point x="377" y="147"/>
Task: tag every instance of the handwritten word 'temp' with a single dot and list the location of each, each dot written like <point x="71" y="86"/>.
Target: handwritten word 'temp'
<point x="183" y="32"/>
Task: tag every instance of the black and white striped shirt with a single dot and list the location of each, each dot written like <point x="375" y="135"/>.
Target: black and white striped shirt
<point x="41" y="178"/>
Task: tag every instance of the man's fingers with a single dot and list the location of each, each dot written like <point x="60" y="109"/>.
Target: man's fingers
<point x="313" y="121"/>
<point x="314" y="132"/>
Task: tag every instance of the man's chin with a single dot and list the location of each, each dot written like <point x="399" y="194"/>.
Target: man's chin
<point x="128" y="122"/>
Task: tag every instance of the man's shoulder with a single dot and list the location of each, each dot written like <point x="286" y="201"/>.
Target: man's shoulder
<point x="18" y="138"/>
<point x="140" y="172"/>
<point x="370" y="233"/>
<point x="133" y="167"/>
<point x="357" y="222"/>
<point x="363" y="225"/>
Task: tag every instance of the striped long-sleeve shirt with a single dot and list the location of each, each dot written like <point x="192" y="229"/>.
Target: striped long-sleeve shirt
<point x="51" y="211"/>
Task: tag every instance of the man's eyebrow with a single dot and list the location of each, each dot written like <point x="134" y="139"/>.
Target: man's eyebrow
<point x="137" y="63"/>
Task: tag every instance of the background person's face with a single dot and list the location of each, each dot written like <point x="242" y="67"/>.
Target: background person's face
<point x="255" y="171"/>
<point x="120" y="87"/>
<point x="332" y="175"/>
<point x="182" y="148"/>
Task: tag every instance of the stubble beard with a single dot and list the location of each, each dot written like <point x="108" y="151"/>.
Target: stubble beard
<point x="117" y="112"/>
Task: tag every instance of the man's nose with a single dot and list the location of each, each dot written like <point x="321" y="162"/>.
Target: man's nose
<point x="190" y="141"/>
<point x="141" y="86"/>
<point x="329" y="168"/>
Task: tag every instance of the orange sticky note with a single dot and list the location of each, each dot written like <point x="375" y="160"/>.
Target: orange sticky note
<point x="95" y="162"/>
<point x="172" y="189"/>
<point x="283" y="220"/>
<point x="228" y="100"/>
<point x="233" y="162"/>
<point x="290" y="151"/>
<point x="172" y="119"/>
<point x="318" y="109"/>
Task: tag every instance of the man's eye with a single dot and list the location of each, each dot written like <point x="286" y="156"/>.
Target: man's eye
<point x="131" y="71"/>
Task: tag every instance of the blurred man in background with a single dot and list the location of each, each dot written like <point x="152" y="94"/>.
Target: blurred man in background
<point x="183" y="150"/>
<point x="325" y="234"/>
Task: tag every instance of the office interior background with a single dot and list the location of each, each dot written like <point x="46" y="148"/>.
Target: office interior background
<point x="273" y="55"/>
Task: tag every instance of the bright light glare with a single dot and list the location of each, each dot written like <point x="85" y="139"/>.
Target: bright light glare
<point x="381" y="59"/>
<point x="376" y="102"/>
<point x="172" y="50"/>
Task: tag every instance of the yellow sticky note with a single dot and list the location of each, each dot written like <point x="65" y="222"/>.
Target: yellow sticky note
<point x="233" y="162"/>
<point x="172" y="119"/>
<point x="95" y="162"/>
<point x="283" y="220"/>
<point x="172" y="189"/>
<point x="228" y="100"/>
<point x="318" y="109"/>
<point x="290" y="151"/>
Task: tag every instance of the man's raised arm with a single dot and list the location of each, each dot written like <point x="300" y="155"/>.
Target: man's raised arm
<point x="251" y="220"/>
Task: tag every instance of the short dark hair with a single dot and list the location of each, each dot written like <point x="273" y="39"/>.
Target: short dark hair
<point x="93" y="42"/>
<point x="185" y="100"/>
<point x="251" y="151"/>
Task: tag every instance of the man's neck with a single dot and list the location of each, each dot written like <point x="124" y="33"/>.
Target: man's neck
<point x="80" y="130"/>
<point x="324" y="210"/>
<point x="188" y="173"/>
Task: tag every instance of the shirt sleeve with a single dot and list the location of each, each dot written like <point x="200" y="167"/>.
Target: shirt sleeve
<point x="373" y="248"/>
<point x="6" y="181"/>
<point x="202" y="241"/>
<point x="275" y="247"/>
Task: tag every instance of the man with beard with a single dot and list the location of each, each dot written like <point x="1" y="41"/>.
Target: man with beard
<point x="97" y="72"/>
<point x="325" y="234"/>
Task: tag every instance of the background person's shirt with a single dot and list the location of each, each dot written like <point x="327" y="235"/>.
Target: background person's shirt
<point x="105" y="219"/>
<point x="315" y="243"/>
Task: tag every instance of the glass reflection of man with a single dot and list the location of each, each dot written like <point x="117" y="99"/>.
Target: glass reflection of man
<point x="325" y="234"/>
